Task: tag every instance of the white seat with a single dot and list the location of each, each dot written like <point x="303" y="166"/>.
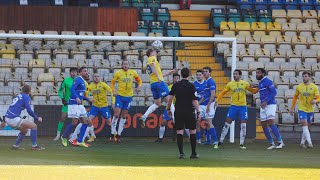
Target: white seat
<point x="284" y="42"/>
<point x="262" y="55"/>
<point x="279" y="15"/>
<point x="290" y="29"/>
<point x="279" y="55"/>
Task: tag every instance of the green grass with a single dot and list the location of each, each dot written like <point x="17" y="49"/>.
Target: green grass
<point x="144" y="153"/>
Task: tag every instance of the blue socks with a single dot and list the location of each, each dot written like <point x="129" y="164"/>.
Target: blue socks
<point x="33" y="134"/>
<point x="82" y="132"/>
<point x="67" y="131"/>
<point x="268" y="135"/>
<point x="198" y="136"/>
<point x="208" y="134"/>
<point x="275" y="131"/>
<point x="214" y="135"/>
<point x="20" y="138"/>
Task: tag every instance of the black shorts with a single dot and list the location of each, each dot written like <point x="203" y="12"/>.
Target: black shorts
<point x="185" y="120"/>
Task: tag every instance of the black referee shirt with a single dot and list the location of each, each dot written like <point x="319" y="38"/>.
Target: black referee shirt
<point x="185" y="93"/>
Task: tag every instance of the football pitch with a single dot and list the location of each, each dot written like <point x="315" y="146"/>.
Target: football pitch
<point x="141" y="158"/>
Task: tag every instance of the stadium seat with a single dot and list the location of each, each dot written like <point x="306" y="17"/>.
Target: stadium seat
<point x="249" y="15"/>
<point x="162" y="14"/>
<point x="289" y="29"/>
<point x="227" y="26"/>
<point x="268" y="42"/>
<point x="310" y="16"/>
<point x="86" y="44"/>
<point x="316" y="5"/>
<point x="260" y="4"/>
<point x="97" y="55"/>
<point x="258" y="28"/>
<point x="25" y="54"/>
<point x="279" y="55"/>
<point x="291" y="4"/>
<point x="125" y="3"/>
<point x="154" y="3"/>
<point x="309" y="56"/>
<point x="253" y="42"/>
<point x="37" y="66"/>
<point x="78" y="54"/>
<point x="143" y="26"/>
<point x="244" y="4"/>
<point x="21" y="65"/>
<point x="33" y="44"/>
<point x="172" y="28"/>
<point x="217" y="16"/>
<point x="273" y="69"/>
<point x="306" y="4"/>
<point x="43" y="54"/>
<point x="121" y="45"/>
<point x="68" y="44"/>
<point x="233" y="15"/>
<point x="53" y="65"/>
<point x="301" y="67"/>
<point x="146" y="14"/>
<point x="8" y="53"/>
<point x="262" y="55"/>
<point x="287" y="118"/>
<point x="284" y="42"/>
<point x="247" y="55"/>
<point x="314" y="42"/>
<point x="294" y="16"/>
<point x="294" y="56"/>
<point x="304" y="29"/>
<point x="61" y="54"/>
<point x="138" y="3"/>
<point x="14" y="79"/>
<point x="243" y="28"/>
<point x="104" y="45"/>
<point x="279" y="15"/>
<point x="156" y="27"/>
<point x="139" y="44"/>
<point x="275" y="4"/>
<point x="51" y="43"/>
<point x="274" y="28"/>
<point x="299" y="43"/>
<point x="288" y="68"/>
<point x="18" y="43"/>
<point x="6" y="65"/>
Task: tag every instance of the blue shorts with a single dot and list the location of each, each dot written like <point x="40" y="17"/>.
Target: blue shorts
<point x="239" y="112"/>
<point x="104" y="111"/>
<point x="123" y="102"/>
<point x="165" y="116"/>
<point x="159" y="90"/>
<point x="305" y="116"/>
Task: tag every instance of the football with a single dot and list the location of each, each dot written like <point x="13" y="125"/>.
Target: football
<point x="157" y="45"/>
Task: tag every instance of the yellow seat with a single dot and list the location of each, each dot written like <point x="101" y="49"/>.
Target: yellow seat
<point x="274" y="28"/>
<point x="243" y="28"/>
<point x="227" y="26"/>
<point x="8" y="53"/>
<point x="258" y="28"/>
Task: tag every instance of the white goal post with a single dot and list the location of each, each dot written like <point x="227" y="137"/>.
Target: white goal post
<point x="233" y="40"/>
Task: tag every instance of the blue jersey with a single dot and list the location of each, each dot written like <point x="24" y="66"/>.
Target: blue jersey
<point x="77" y="90"/>
<point x="200" y="87"/>
<point x="210" y="85"/>
<point x="267" y="91"/>
<point x="19" y="103"/>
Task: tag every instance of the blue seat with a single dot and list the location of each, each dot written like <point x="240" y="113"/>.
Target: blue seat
<point x="306" y="4"/>
<point x="143" y="26"/>
<point x="316" y="4"/>
<point x="217" y="15"/>
<point x="138" y="3"/>
<point x="156" y="27"/>
<point x="39" y="2"/>
<point x="162" y="14"/>
<point x="245" y="4"/>
<point x="249" y="15"/>
<point x="291" y="4"/>
<point x="172" y="28"/>
<point x="154" y="4"/>
<point x="275" y="4"/>
<point x="146" y="14"/>
<point x="234" y="15"/>
<point x="264" y="15"/>
<point x="125" y="3"/>
<point x="8" y="2"/>
<point x="260" y="4"/>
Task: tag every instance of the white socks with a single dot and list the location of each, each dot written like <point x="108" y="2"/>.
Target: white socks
<point x="152" y="108"/>
<point x="172" y="109"/>
<point x="306" y="134"/>
<point x="114" y="125"/>
<point x="224" y="132"/>
<point x="243" y="132"/>
<point x="76" y="132"/>
<point x="121" y="126"/>
<point x="162" y="129"/>
<point x="91" y="131"/>
<point x="188" y="132"/>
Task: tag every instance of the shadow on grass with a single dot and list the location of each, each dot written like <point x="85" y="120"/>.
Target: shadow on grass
<point x="144" y="152"/>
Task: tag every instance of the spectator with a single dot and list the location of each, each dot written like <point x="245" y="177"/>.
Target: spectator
<point x="185" y="4"/>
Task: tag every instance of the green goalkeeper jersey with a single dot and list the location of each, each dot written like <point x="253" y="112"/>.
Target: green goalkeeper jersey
<point x="64" y="90"/>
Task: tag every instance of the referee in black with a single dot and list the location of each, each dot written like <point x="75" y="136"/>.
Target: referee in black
<point x="185" y="106"/>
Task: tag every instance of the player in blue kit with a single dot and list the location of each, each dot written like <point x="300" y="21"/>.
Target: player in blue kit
<point x="75" y="108"/>
<point x="200" y="85"/>
<point x="268" y="108"/>
<point x="207" y="110"/>
<point x="20" y="102"/>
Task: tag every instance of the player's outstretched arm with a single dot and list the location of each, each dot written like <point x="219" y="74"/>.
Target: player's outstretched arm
<point x="113" y="82"/>
<point x="253" y="90"/>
